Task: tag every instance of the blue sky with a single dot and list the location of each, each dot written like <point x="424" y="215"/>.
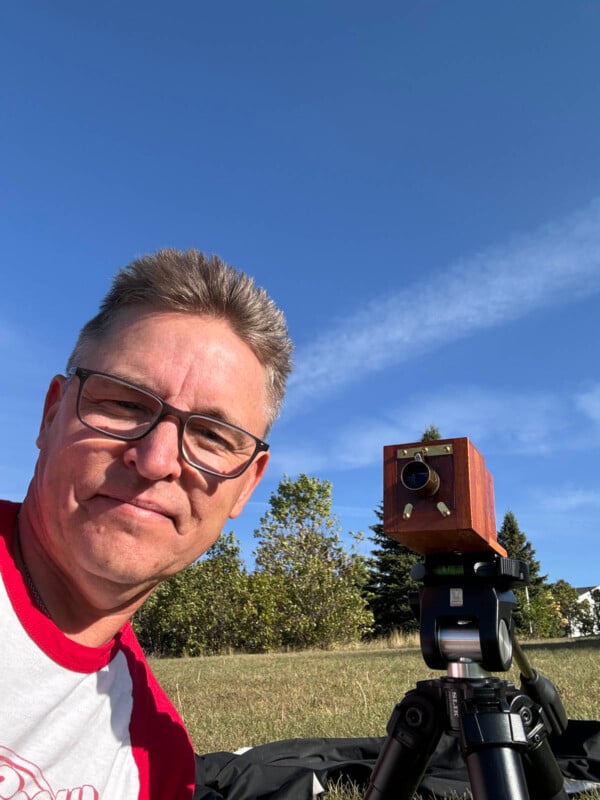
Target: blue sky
<point x="417" y="184"/>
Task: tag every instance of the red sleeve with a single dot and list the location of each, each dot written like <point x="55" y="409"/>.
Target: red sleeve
<point x="161" y="745"/>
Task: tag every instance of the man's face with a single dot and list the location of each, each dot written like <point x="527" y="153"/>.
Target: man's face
<point x="132" y="513"/>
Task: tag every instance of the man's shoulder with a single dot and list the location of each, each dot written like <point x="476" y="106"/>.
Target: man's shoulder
<point x="155" y="721"/>
<point x="142" y="676"/>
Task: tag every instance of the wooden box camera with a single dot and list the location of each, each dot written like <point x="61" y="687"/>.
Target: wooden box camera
<point x="439" y="498"/>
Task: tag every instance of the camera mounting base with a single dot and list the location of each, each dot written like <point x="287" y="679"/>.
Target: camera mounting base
<point x="465" y="607"/>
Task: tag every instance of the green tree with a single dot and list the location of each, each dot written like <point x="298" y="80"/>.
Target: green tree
<point x="543" y="615"/>
<point x="316" y="598"/>
<point x="223" y="598"/>
<point x="585" y="620"/>
<point x="262" y="631"/>
<point x="596" y="609"/>
<point x="203" y="610"/>
<point x="389" y="584"/>
<point x="512" y="538"/>
<point x="431" y="434"/>
<point x="566" y="597"/>
<point x="586" y="616"/>
<point x="166" y="624"/>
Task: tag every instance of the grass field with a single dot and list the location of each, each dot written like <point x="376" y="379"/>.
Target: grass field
<point x="233" y="701"/>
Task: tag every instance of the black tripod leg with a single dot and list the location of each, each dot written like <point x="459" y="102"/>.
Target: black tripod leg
<point x="497" y="773"/>
<point x="544" y="778"/>
<point x="414" y="730"/>
<point x="504" y="741"/>
<point x="500" y="771"/>
<point x="492" y="739"/>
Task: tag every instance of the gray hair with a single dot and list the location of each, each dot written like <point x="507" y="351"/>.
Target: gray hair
<point x="189" y="281"/>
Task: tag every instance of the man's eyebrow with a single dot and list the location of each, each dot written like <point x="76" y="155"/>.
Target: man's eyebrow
<point x="212" y="411"/>
<point x="218" y="415"/>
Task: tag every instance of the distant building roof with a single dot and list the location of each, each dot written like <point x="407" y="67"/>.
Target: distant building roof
<point x="585" y="589"/>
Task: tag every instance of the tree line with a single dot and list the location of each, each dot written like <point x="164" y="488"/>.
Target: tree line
<point x="544" y="609"/>
<point x="305" y="590"/>
<point x="308" y="590"/>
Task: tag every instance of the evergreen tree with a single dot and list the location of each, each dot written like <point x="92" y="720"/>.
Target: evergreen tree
<point x="516" y="544"/>
<point x="389" y="584"/>
<point x="431" y="434"/>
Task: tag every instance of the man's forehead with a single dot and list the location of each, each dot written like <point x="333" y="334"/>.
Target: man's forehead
<point x="148" y="322"/>
<point x="172" y="351"/>
<point x="146" y="314"/>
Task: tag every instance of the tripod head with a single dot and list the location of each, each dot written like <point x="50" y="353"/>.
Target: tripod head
<point x="465" y="609"/>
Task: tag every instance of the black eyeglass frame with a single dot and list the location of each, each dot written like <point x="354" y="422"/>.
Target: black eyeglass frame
<point x="167" y="410"/>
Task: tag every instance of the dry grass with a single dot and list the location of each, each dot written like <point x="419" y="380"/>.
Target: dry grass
<point x="232" y="701"/>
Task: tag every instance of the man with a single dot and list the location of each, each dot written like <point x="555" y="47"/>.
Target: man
<point x="152" y="440"/>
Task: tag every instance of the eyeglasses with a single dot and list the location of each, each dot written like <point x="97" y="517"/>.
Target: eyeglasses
<point x="125" y="411"/>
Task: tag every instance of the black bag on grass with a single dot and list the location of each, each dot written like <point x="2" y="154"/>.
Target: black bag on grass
<point x="300" y="769"/>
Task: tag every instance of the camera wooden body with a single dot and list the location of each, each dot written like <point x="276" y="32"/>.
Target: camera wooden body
<point x="459" y="517"/>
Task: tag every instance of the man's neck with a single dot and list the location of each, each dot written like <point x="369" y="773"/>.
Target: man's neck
<point x="92" y="624"/>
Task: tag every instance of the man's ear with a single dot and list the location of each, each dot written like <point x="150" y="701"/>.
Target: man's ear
<point x="51" y="405"/>
<point x="251" y="478"/>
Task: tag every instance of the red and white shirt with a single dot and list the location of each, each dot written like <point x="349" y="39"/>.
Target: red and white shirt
<point x="76" y="722"/>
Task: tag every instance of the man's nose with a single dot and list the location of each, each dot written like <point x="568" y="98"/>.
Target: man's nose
<point x="156" y="456"/>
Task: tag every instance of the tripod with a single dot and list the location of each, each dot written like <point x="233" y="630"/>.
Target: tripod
<point x="465" y="608"/>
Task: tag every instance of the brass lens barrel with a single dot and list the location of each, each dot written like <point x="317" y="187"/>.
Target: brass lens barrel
<point x="418" y="477"/>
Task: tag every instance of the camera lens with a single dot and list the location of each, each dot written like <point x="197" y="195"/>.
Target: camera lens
<point x="415" y="475"/>
<point x="418" y="477"/>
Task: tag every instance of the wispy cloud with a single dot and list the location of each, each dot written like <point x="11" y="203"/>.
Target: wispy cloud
<point x="569" y="499"/>
<point x="556" y="264"/>
<point x="517" y="423"/>
<point x="588" y="402"/>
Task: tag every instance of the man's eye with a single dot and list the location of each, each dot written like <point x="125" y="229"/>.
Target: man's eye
<point x="122" y="407"/>
<point x="130" y="405"/>
<point x="211" y="436"/>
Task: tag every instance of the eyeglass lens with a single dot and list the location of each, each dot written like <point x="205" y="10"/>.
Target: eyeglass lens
<point x="117" y="409"/>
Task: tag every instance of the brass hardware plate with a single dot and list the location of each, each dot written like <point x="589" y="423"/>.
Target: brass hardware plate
<point x="428" y="450"/>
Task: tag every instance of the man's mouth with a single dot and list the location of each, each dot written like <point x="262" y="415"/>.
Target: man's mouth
<point x="140" y="506"/>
